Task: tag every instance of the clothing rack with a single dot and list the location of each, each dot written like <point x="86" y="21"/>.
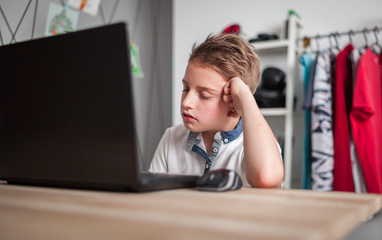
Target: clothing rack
<point x="306" y="40"/>
<point x="359" y="74"/>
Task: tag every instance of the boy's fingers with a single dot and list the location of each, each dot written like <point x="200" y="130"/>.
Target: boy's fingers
<point x="227" y="88"/>
<point x="227" y="98"/>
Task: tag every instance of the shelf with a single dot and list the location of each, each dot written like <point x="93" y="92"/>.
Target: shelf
<point x="273" y="111"/>
<point x="273" y="44"/>
<point x="284" y="49"/>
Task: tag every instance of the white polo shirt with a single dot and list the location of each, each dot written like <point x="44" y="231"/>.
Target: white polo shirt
<point x="181" y="151"/>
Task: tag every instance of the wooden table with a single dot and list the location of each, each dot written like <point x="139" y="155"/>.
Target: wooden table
<point x="48" y="213"/>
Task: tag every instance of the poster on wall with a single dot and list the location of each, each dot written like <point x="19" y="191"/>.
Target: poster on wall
<point x="60" y="20"/>
<point x="87" y="6"/>
<point x="135" y="61"/>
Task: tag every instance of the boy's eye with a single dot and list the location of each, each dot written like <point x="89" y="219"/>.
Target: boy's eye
<point x="204" y="95"/>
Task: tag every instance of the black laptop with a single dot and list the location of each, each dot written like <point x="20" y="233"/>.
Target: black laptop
<point x="67" y="114"/>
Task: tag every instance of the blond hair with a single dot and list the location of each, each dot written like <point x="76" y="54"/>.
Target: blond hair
<point x="231" y="56"/>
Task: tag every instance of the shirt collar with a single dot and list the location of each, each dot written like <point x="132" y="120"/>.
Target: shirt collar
<point x="227" y="136"/>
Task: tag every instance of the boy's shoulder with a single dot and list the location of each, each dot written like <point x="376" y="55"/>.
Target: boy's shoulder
<point x="177" y="131"/>
<point x="178" y="127"/>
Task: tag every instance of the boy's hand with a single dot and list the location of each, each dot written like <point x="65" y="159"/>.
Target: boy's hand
<point x="233" y="93"/>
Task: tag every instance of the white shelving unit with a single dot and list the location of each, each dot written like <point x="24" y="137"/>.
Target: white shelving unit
<point x="290" y="48"/>
<point x="270" y="45"/>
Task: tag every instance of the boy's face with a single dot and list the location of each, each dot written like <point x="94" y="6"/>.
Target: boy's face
<point x="202" y="106"/>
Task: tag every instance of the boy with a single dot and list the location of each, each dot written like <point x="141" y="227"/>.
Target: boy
<point x="222" y="124"/>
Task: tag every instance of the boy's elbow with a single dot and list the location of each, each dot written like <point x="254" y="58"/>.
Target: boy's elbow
<point x="267" y="178"/>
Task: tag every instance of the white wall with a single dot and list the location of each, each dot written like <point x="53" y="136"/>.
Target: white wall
<point x="194" y="20"/>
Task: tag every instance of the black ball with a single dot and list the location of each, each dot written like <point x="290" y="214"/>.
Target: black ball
<point x="273" y="78"/>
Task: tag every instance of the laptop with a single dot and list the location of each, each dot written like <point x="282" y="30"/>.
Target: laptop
<point x="67" y="114"/>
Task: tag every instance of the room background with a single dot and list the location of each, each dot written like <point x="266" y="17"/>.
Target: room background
<point x="165" y="31"/>
<point x="194" y="20"/>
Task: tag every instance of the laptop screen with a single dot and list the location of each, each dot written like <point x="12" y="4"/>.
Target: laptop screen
<point x="66" y="111"/>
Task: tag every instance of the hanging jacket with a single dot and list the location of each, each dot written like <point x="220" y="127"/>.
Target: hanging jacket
<point x="321" y="125"/>
<point x="366" y="119"/>
<point x="343" y="89"/>
<point x="308" y="66"/>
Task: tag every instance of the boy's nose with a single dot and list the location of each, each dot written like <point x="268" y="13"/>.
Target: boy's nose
<point x="187" y="101"/>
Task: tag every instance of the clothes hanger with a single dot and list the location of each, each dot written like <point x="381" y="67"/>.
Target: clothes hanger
<point x="336" y="36"/>
<point x="376" y="47"/>
<point x="305" y="44"/>
<point x="350" y="37"/>
<point x="317" y="38"/>
<point x="351" y="54"/>
<point x="335" y="46"/>
<point x="331" y="46"/>
<point x="363" y="48"/>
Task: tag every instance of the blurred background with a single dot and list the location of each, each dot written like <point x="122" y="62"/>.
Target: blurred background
<point x="163" y="32"/>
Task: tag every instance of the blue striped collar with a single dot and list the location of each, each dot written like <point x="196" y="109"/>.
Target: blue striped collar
<point x="227" y="136"/>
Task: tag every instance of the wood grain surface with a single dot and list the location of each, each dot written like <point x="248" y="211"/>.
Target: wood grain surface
<point x="49" y="213"/>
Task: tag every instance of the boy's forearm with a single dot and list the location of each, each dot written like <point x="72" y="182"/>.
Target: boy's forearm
<point x="264" y="165"/>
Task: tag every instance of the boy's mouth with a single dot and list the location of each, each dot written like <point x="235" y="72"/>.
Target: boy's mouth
<point x="188" y="117"/>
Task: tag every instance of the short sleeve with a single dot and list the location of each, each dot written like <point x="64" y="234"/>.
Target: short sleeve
<point x="159" y="161"/>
